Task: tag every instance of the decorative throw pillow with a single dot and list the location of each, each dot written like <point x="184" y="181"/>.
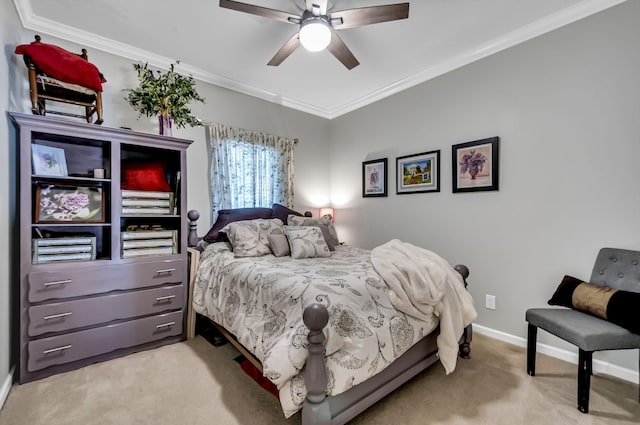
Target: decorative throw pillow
<point x="309" y="221"/>
<point x="326" y="234"/>
<point x="145" y="176"/>
<point x="282" y="212"/>
<point x="63" y="65"/>
<point x="279" y="244"/>
<point x="229" y="216"/>
<point x="615" y="305"/>
<point x="249" y="238"/>
<point x="306" y="242"/>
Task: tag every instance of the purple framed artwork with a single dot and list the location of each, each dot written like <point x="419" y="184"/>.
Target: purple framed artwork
<point x="374" y="178"/>
<point x="57" y="204"/>
<point x="475" y="165"/>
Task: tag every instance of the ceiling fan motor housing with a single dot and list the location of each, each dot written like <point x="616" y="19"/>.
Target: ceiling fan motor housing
<point x="315" y="31"/>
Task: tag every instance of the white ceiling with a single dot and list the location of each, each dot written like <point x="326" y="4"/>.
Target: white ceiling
<point x="231" y="49"/>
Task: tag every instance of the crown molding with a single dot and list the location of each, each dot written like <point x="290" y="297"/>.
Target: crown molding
<point x="559" y="19"/>
<point x="528" y="32"/>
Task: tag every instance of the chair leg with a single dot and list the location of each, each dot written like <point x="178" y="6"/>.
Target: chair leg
<point x="99" y="119"/>
<point x="33" y="91"/>
<point x="584" y="379"/>
<point x="531" y="349"/>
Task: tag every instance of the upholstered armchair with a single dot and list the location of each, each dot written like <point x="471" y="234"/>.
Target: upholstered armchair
<point x="613" y="294"/>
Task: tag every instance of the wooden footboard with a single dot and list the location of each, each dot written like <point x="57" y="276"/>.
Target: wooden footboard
<point x="320" y="409"/>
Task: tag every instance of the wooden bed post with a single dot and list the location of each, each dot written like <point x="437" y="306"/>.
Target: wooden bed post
<point x="192" y="237"/>
<point x="316" y="409"/>
<point x="467" y="335"/>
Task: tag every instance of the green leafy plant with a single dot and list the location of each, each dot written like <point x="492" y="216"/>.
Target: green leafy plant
<point x="166" y="93"/>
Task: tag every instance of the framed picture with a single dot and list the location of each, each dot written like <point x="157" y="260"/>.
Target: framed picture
<point x="48" y="161"/>
<point x="56" y="204"/>
<point x="475" y="165"/>
<point x="418" y="173"/>
<point x="374" y="178"/>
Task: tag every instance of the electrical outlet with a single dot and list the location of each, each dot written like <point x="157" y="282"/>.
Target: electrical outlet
<point x="490" y="302"/>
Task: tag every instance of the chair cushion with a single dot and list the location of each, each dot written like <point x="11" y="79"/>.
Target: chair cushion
<point x="615" y="305"/>
<point x="62" y="64"/>
<point x="587" y="332"/>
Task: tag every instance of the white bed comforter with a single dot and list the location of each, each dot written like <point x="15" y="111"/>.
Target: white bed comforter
<point x="261" y="299"/>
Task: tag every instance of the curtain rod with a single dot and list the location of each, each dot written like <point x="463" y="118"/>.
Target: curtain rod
<point x="209" y="123"/>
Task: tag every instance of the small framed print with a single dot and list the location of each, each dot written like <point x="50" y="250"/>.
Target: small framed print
<point x="374" y="178"/>
<point x="475" y="165"/>
<point x="48" y="161"/>
<point x="78" y="204"/>
<point x="418" y="173"/>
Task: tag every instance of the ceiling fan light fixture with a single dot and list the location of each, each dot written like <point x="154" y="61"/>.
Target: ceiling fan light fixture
<point x="315" y="34"/>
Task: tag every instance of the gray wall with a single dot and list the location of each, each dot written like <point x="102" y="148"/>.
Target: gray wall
<point x="565" y="105"/>
<point x="9" y="33"/>
<point x="224" y="106"/>
<point x="566" y="108"/>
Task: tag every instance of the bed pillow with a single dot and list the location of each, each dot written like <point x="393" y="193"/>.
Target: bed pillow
<point x="249" y="238"/>
<point x="309" y="221"/>
<point x="144" y="176"/>
<point x="282" y="212"/>
<point x="63" y="65"/>
<point x="306" y="242"/>
<point x="615" y="305"/>
<point x="229" y="216"/>
<point x="279" y="244"/>
<point x="326" y="234"/>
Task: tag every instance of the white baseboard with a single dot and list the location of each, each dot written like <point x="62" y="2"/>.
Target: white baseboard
<point x="6" y="387"/>
<point x="599" y="366"/>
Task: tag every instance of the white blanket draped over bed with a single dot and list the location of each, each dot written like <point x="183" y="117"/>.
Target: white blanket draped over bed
<point x="423" y="284"/>
<point x="261" y="300"/>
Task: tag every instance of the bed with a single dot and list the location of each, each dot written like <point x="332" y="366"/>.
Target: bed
<point x="328" y="326"/>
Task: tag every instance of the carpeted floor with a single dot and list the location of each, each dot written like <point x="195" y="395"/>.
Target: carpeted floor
<point x="194" y="383"/>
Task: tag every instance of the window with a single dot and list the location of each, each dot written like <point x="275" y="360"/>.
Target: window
<point x="249" y="169"/>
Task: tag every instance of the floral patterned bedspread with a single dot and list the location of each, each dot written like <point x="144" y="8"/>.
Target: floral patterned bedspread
<point x="261" y="299"/>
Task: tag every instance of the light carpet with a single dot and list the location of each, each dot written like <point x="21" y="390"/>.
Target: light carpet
<point x="194" y="383"/>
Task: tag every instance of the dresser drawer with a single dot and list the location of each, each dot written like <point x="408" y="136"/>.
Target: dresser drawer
<point x="66" y="315"/>
<point x="82" y="281"/>
<point x="82" y="344"/>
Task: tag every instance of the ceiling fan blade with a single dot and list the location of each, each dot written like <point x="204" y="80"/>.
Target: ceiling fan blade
<point x="352" y="18"/>
<point x="286" y="50"/>
<point x="322" y="4"/>
<point x="341" y="51"/>
<point x="278" y="15"/>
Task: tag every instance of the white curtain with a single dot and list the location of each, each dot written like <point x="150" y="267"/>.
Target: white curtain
<point x="248" y="169"/>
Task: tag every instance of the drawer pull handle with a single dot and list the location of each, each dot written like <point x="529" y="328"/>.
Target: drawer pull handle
<point x="165" y="298"/>
<point x="57" y="282"/>
<point x="165" y="325"/>
<point x="165" y="271"/>
<point x="55" y="350"/>
<point x="57" y="316"/>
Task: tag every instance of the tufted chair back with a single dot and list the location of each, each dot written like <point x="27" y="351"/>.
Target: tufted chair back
<point x="617" y="268"/>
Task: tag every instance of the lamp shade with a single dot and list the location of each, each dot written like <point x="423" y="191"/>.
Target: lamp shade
<point x="314" y="34"/>
<point x="325" y="211"/>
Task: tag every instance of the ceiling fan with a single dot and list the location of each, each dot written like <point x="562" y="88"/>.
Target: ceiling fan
<point x="318" y="28"/>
